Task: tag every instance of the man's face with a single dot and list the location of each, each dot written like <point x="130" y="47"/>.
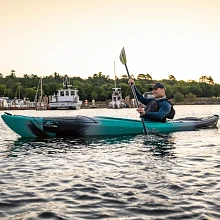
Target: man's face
<point x="158" y="92"/>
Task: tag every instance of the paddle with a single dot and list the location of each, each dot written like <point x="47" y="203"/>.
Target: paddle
<point x="124" y="61"/>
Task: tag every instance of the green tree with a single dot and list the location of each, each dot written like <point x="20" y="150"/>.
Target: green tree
<point x="94" y="95"/>
<point x="144" y="77"/>
<point x="210" y="80"/>
<point x="9" y="93"/>
<point x="25" y="80"/>
<point x="171" y="77"/>
<point x="12" y="75"/>
<point x="124" y="79"/>
<point x="169" y="91"/>
<point x="206" y="79"/>
<point x="50" y="88"/>
<point x="2" y="80"/>
<point x="217" y="90"/>
<point x="99" y="79"/>
<point x="57" y="77"/>
<point x="148" y="77"/>
<point x="184" y="89"/>
<point x="141" y="77"/>
<point x="178" y="97"/>
<point x="191" y="97"/>
<point x="207" y="90"/>
<point x="2" y="90"/>
<point x="104" y="92"/>
<point x="195" y="89"/>
<point x="125" y="88"/>
<point x="19" y="91"/>
<point x="30" y="93"/>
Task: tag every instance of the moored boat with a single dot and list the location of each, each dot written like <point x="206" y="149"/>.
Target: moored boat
<point x="65" y="98"/>
<point x="117" y="101"/>
<point x="80" y="126"/>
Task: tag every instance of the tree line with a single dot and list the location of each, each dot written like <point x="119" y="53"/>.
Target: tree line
<point x="100" y="86"/>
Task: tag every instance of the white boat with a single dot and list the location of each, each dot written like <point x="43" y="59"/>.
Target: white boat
<point x="66" y="98"/>
<point x="3" y="102"/>
<point x="117" y="101"/>
<point x="148" y="95"/>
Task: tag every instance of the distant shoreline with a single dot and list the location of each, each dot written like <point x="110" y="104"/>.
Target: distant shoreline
<point x="104" y="105"/>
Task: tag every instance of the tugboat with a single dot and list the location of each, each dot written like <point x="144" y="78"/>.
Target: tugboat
<point x="117" y="101"/>
<point x="66" y="98"/>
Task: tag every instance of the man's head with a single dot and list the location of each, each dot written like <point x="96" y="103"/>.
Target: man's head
<point x="158" y="90"/>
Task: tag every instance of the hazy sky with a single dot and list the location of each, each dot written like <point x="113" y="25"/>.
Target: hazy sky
<point x="84" y="37"/>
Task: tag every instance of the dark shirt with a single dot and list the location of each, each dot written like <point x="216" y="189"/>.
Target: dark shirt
<point x="164" y="107"/>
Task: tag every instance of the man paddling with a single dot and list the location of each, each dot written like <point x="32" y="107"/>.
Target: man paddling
<point x="157" y="108"/>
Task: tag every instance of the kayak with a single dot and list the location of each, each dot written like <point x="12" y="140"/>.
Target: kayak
<point x="80" y="126"/>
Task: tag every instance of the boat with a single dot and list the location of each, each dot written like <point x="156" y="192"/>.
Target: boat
<point x="145" y="95"/>
<point x="117" y="100"/>
<point x="3" y="102"/>
<point x="148" y="95"/>
<point x="82" y="126"/>
<point x="65" y="98"/>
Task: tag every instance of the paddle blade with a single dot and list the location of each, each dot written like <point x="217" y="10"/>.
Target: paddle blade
<point x="123" y="56"/>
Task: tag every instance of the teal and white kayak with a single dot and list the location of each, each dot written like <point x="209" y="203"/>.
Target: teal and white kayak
<point x="80" y="126"/>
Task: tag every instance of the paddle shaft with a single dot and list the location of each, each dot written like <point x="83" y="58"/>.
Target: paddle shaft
<point x="136" y="100"/>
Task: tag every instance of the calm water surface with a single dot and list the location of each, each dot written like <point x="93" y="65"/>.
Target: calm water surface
<point x="126" y="177"/>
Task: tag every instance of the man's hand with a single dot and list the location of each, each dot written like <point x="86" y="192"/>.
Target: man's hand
<point x="141" y="111"/>
<point x="131" y="81"/>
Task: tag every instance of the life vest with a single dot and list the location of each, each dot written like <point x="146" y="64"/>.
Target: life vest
<point x="153" y="106"/>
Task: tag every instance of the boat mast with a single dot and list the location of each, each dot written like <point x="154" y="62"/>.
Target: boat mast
<point x="115" y="74"/>
<point x="36" y="96"/>
<point x="41" y="90"/>
<point x="41" y="93"/>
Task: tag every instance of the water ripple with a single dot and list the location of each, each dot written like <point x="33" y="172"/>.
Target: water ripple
<point x="127" y="177"/>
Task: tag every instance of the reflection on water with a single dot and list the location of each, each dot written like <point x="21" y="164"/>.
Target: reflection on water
<point x="128" y="177"/>
<point x="159" y="145"/>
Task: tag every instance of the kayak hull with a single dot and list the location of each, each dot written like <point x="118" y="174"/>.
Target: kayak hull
<point x="80" y="126"/>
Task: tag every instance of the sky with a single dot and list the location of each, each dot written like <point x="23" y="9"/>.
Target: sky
<point x="85" y="37"/>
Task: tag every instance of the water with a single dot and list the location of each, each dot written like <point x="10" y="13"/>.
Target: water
<point x="127" y="177"/>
